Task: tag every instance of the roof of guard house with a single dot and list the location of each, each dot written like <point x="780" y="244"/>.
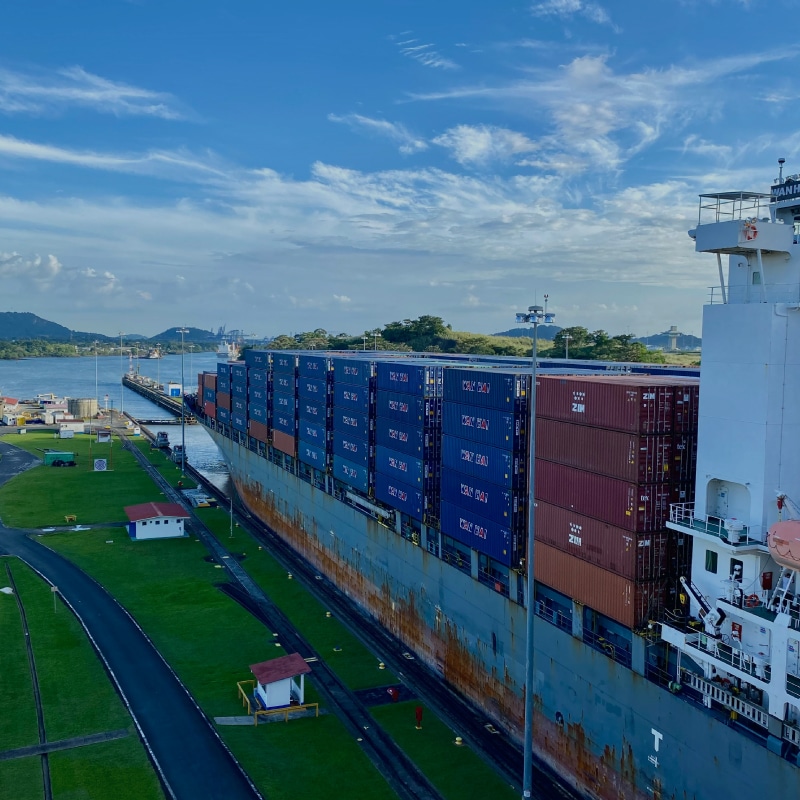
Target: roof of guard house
<point x="155" y="510"/>
<point x="279" y="669"/>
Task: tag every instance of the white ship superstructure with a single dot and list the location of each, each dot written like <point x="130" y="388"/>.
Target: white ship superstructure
<point x="738" y="631"/>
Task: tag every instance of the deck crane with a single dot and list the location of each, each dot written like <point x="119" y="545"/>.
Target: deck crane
<point x="712" y="617"/>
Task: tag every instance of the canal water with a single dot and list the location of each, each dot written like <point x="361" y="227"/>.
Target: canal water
<point x="101" y="378"/>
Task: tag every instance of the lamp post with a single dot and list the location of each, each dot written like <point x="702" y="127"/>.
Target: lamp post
<point x="376" y="333"/>
<point x="96" y="393"/>
<point x="364" y="337"/>
<point x="182" y="332"/>
<point x="535" y="315"/>
<point x="567" y="337"/>
<point x="122" y="370"/>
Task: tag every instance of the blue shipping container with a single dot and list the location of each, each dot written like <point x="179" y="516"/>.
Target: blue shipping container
<point x="479" y="533"/>
<point x="505" y="506"/>
<point x="239" y="421"/>
<point x="419" y="411"/>
<point x="346" y="395"/>
<point x="223" y="370"/>
<point x="239" y="372"/>
<point x="354" y="371"/>
<point x="238" y="389"/>
<point x="257" y="376"/>
<point x="400" y="466"/>
<point x="314" y="456"/>
<point x="502" y="467"/>
<point x="503" y="429"/>
<point x="347" y="446"/>
<point x="316" y="367"/>
<point x="312" y="389"/>
<point x="283" y="362"/>
<point x="239" y="405"/>
<point x="257" y="413"/>
<point x="352" y="474"/>
<point x="312" y="433"/>
<point x="223" y="385"/>
<point x="223" y="415"/>
<point x="257" y="395"/>
<point x="408" y="378"/>
<point x="486" y="388"/>
<point x="405" y="438"/>
<point x="314" y="412"/>
<point x="285" y="403"/>
<point x="256" y="358"/>
<point x="209" y="395"/>
<point x="283" y="422"/>
<point x="283" y="383"/>
<point x="351" y="421"/>
<point x="399" y="495"/>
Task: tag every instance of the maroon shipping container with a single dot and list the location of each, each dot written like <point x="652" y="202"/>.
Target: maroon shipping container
<point x="618" y="454"/>
<point x="258" y="430"/>
<point x="210" y="410"/>
<point x="283" y="442"/>
<point x="686" y="409"/>
<point x="623" y="403"/>
<point x="223" y="400"/>
<point x="684" y="458"/>
<point x="635" y="556"/>
<point x="631" y="604"/>
<point x="620" y="503"/>
<point x="210" y="380"/>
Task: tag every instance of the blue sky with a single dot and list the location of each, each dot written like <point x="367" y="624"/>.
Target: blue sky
<point x="282" y="167"/>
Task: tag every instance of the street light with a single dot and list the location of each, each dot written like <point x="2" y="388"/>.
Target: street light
<point x="376" y="333"/>
<point x="96" y="393"/>
<point x="122" y="370"/>
<point x="364" y="337"/>
<point x="535" y="315"/>
<point x="567" y="337"/>
<point x="183" y="331"/>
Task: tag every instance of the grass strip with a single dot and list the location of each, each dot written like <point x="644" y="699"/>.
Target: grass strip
<point x="19" y="728"/>
<point x="449" y="768"/>
<point x="92" y="497"/>
<point x="21" y="779"/>
<point x="353" y="663"/>
<point x="209" y="640"/>
<point x="105" y="771"/>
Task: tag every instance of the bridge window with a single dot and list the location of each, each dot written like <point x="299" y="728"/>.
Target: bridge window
<point x="711" y="561"/>
<point x="756" y="279"/>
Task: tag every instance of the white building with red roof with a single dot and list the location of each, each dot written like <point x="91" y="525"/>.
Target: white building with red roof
<point x="156" y="520"/>
<point x="276" y="686"/>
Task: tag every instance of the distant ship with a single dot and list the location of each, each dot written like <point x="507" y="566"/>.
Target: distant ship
<point x="153" y="352"/>
<point x="227" y="351"/>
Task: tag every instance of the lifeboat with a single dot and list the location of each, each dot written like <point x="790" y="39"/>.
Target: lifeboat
<point x="784" y="543"/>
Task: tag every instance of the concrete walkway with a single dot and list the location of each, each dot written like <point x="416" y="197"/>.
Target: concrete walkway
<point x="192" y="760"/>
<point x="63" y="744"/>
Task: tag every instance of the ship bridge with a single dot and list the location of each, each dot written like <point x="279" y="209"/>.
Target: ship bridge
<point x="740" y="223"/>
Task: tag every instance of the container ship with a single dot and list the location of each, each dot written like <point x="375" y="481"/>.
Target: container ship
<point x="667" y="633"/>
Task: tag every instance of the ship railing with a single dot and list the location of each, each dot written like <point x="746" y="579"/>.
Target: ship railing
<point x="791" y="733"/>
<point x="758" y="666"/>
<point x="793" y="685"/>
<point x="683" y="514"/>
<point x="615" y="651"/>
<point x="772" y="293"/>
<point x="725" y="206"/>
<point x="726" y="698"/>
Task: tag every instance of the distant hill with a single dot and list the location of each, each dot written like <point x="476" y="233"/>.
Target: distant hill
<point x="14" y="325"/>
<point x="663" y="341"/>
<point x="545" y="332"/>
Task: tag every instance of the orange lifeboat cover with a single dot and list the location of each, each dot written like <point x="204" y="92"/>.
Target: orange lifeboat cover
<point x="784" y="543"/>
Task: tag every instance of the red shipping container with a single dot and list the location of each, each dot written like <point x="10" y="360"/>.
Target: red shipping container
<point x="210" y="380"/>
<point x="258" y="430"/>
<point x="283" y="442"/>
<point x="684" y="458"/>
<point x="631" y="604"/>
<point x="635" y="556"/>
<point x="618" y="454"/>
<point x="620" y="503"/>
<point x="687" y="408"/>
<point x="223" y="400"/>
<point x="210" y="410"/>
<point x="623" y="403"/>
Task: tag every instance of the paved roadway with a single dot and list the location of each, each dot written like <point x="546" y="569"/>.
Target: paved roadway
<point x="192" y="760"/>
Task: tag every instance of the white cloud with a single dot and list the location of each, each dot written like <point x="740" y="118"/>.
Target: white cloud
<point x="480" y="144"/>
<point x="565" y="9"/>
<point x="33" y="270"/>
<point x="408" y="143"/>
<point x="74" y="86"/>
<point x="425" y="53"/>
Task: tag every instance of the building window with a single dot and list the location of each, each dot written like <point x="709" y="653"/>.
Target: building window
<point x="711" y="561"/>
<point x="756" y="279"/>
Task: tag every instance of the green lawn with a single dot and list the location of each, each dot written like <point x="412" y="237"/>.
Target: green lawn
<point x="77" y="699"/>
<point x="457" y="772"/>
<point x="93" y="497"/>
<point x="355" y="665"/>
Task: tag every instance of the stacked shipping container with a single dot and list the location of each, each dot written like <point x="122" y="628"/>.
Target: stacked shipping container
<point x="313" y="409"/>
<point x="608" y="464"/>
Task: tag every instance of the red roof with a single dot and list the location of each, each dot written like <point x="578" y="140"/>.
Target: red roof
<point x="154" y="511"/>
<point x="280" y="668"/>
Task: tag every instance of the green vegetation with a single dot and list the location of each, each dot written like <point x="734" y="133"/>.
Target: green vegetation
<point x="599" y="346"/>
<point x="93" y="497"/>
<point x="77" y="699"/>
<point x="448" y="767"/>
